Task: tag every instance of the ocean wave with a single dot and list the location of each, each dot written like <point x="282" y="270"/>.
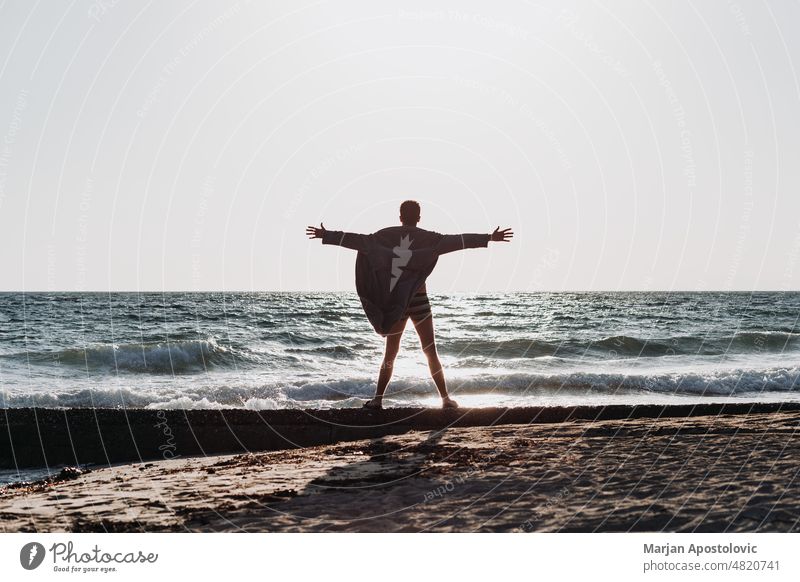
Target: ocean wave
<point x="175" y="357"/>
<point x="261" y="397"/>
<point x="626" y="346"/>
<point x="84" y="398"/>
<point x="761" y="340"/>
<point x="721" y="382"/>
<point x="189" y="356"/>
<point x="334" y="351"/>
<point x="348" y="391"/>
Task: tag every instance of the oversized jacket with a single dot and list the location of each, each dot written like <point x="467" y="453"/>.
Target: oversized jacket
<point x="393" y="263"/>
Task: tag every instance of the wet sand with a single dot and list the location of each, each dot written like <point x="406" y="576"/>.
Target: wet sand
<point x="715" y="473"/>
<point x="50" y="437"/>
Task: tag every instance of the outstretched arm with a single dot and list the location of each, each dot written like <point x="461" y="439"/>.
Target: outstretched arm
<point x="457" y="242"/>
<point x="314" y="232"/>
<point x="502" y="235"/>
<point x="350" y="240"/>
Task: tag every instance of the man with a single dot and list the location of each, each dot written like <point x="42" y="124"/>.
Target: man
<point x="391" y="269"/>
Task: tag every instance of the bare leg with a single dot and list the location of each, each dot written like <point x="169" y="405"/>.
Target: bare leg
<point x="427" y="340"/>
<point x="387" y="366"/>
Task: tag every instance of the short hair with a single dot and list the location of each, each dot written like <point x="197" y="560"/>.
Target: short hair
<point x="409" y="211"/>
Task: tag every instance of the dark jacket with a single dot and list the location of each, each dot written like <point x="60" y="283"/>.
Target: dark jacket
<point x="393" y="263"/>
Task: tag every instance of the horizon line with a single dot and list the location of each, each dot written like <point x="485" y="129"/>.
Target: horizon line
<point x="434" y="292"/>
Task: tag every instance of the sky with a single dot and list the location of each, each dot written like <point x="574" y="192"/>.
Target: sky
<point x="637" y="145"/>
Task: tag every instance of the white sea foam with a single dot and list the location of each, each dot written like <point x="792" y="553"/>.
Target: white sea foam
<point x="350" y="392"/>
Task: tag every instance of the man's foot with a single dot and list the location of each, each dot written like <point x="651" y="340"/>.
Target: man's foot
<point x="448" y="402"/>
<point x="374" y="404"/>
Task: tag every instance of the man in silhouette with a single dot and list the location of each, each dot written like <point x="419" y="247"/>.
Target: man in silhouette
<point x="391" y="269"/>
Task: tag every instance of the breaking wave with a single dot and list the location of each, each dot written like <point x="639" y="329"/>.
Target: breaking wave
<point x="349" y="392"/>
<point x="177" y="357"/>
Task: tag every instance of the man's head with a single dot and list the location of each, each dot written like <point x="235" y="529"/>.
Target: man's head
<point x="409" y="213"/>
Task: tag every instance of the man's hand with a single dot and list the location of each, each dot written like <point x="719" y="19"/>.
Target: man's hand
<point x="502" y="235"/>
<point x="314" y="232"/>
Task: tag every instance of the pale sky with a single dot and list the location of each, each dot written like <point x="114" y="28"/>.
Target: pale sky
<point x="186" y="145"/>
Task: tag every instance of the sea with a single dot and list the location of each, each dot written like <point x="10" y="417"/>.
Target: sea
<point x="274" y="350"/>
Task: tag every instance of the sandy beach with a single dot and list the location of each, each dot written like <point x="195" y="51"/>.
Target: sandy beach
<point x="716" y="473"/>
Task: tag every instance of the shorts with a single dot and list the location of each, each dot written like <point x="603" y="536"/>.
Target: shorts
<point x="419" y="309"/>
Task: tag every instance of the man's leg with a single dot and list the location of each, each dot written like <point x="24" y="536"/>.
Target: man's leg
<point x="427" y="340"/>
<point x="387" y="366"/>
